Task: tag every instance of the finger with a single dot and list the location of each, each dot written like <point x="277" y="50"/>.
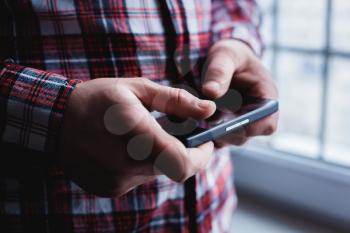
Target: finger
<point x="265" y="126"/>
<point x="237" y="138"/>
<point x="257" y="83"/>
<point x="218" y="75"/>
<point x="179" y="163"/>
<point x="234" y="141"/>
<point x="174" y="101"/>
<point x="167" y="154"/>
<point x="224" y="59"/>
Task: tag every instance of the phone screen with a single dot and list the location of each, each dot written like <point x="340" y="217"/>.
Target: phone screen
<point x="224" y="113"/>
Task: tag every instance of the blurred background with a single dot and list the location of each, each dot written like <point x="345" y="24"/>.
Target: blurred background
<point x="299" y="179"/>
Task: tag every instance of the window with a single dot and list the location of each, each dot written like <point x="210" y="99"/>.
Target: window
<point x="304" y="167"/>
<point x="308" y="54"/>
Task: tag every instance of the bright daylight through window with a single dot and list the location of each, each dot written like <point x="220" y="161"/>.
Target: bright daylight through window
<point x="308" y="54"/>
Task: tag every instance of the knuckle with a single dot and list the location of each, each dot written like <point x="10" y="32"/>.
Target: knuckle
<point x="270" y="129"/>
<point x="144" y="82"/>
<point x="179" y="95"/>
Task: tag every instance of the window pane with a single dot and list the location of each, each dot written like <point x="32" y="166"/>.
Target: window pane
<point x="265" y="5"/>
<point x="340" y="25"/>
<point x="267" y="59"/>
<point x="301" y="23"/>
<point x="338" y="115"/>
<point x="266" y="29"/>
<point x="299" y="81"/>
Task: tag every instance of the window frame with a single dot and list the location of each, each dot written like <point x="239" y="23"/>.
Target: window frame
<point x="313" y="187"/>
<point x="326" y="54"/>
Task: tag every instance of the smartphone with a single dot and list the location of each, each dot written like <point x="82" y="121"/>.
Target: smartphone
<point x="193" y="133"/>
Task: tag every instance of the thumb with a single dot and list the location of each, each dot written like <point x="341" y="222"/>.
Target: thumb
<point x="179" y="163"/>
<point x="174" y="101"/>
<point x="224" y="59"/>
<point x="220" y="68"/>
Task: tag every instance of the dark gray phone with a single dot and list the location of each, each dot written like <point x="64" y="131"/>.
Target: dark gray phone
<point x="193" y="133"/>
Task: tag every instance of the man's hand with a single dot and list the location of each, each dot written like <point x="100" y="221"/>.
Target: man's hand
<point x="232" y="64"/>
<point x="110" y="143"/>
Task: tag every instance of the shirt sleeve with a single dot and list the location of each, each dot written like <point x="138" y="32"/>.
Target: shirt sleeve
<point x="237" y="19"/>
<point x="32" y="103"/>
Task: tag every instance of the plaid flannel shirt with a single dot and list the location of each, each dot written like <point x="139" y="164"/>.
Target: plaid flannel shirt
<point x="54" y="45"/>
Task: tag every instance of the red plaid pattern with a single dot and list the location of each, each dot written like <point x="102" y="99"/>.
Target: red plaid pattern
<point x="61" y="43"/>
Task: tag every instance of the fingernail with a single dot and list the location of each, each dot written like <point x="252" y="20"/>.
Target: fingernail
<point x="213" y="86"/>
<point x="205" y="104"/>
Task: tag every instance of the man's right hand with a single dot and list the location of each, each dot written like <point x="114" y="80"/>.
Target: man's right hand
<point x="110" y="143"/>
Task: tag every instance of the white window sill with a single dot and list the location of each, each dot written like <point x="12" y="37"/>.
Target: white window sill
<point x="310" y="187"/>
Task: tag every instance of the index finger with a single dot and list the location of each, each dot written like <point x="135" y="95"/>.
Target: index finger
<point x="173" y="101"/>
<point x="168" y="155"/>
<point x="220" y="68"/>
<point x="224" y="59"/>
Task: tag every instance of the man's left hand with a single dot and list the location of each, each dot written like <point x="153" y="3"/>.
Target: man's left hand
<point x="232" y="64"/>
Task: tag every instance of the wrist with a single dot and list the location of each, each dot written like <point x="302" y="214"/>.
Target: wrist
<point x="68" y="116"/>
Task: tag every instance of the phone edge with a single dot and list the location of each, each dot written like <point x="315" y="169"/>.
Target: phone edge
<point x="269" y="108"/>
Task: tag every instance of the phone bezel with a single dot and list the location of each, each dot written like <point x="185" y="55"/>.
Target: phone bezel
<point x="269" y="107"/>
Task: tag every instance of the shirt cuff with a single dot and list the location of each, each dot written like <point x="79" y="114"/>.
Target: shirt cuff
<point x="247" y="33"/>
<point x="34" y="102"/>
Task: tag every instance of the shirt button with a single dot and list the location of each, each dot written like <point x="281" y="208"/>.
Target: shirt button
<point x="9" y="60"/>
